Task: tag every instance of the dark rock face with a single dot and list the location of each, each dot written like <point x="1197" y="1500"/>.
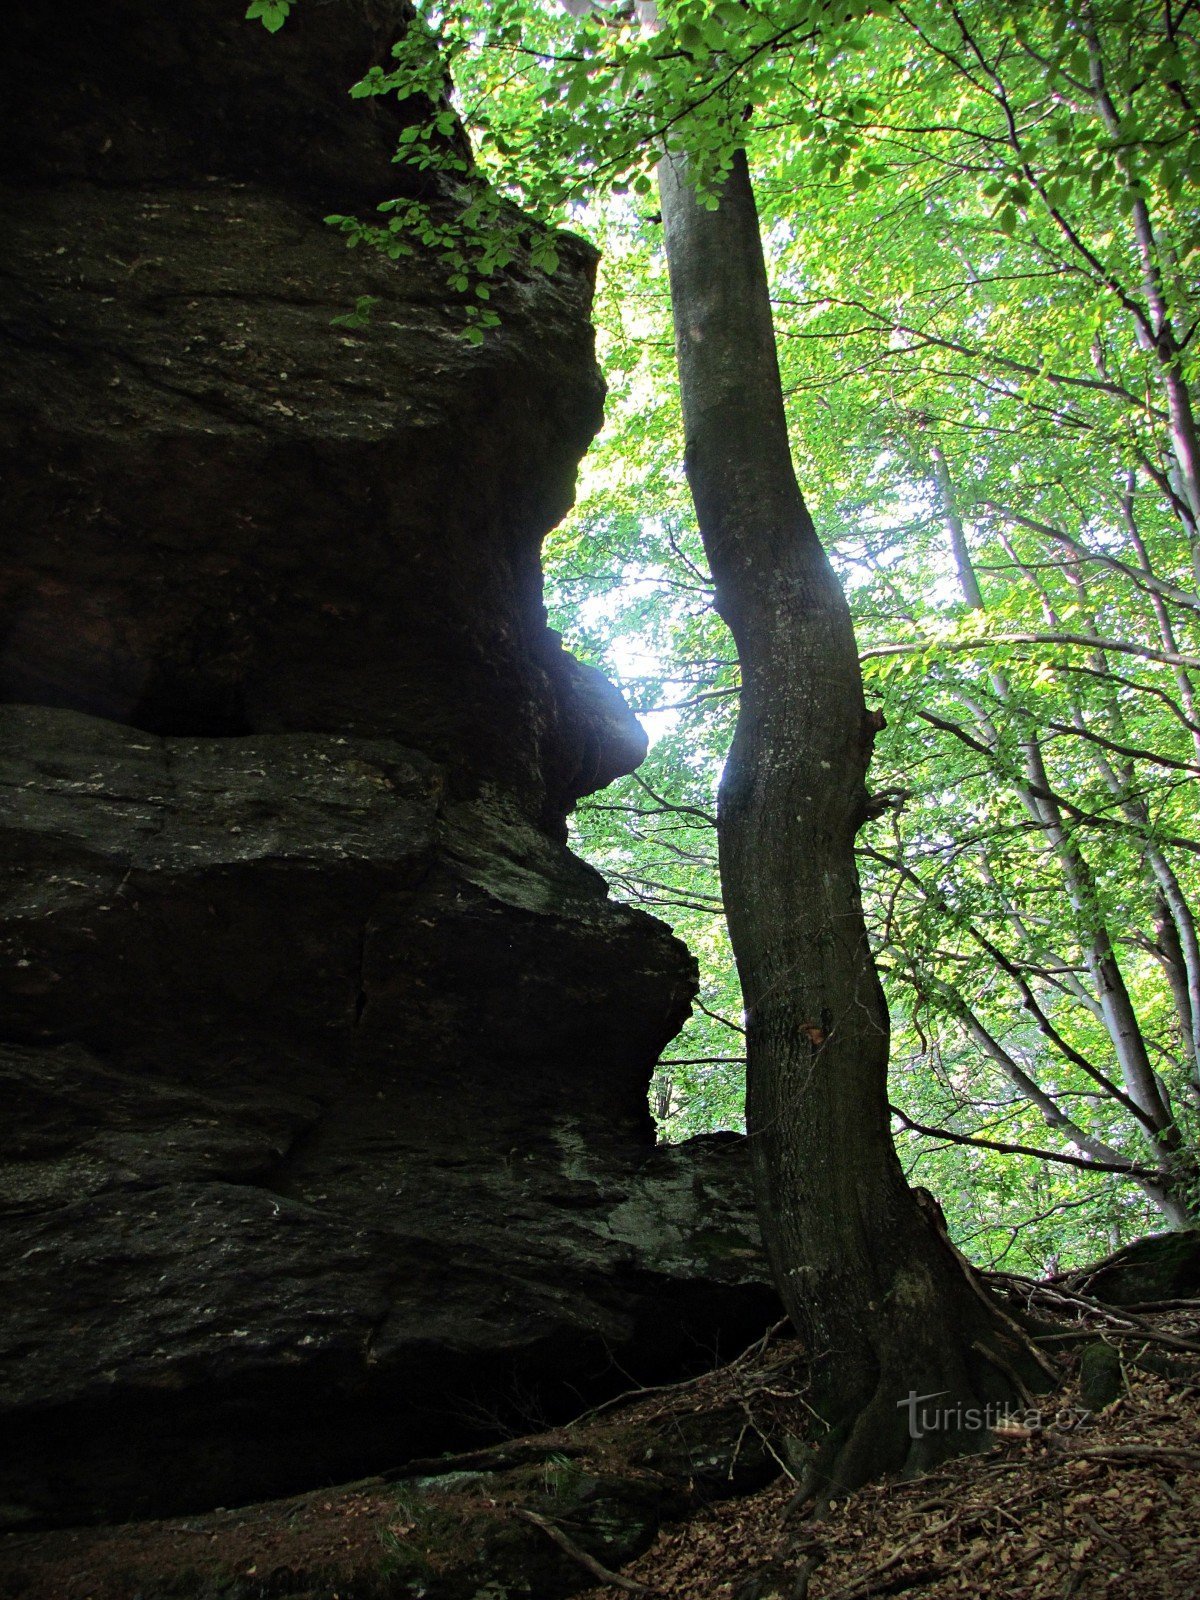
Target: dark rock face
<point x="1165" y="1266"/>
<point x="146" y="94"/>
<point x="323" y="1128"/>
<point x="374" y="530"/>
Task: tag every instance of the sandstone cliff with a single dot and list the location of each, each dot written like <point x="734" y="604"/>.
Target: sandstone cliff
<point x="322" y="1062"/>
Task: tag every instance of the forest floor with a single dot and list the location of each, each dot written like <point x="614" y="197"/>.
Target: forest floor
<point x="1110" y="1508"/>
<point x="686" y="1491"/>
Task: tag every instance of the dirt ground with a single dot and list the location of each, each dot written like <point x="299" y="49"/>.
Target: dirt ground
<point x="1110" y="1508"/>
<point x="666" y="1491"/>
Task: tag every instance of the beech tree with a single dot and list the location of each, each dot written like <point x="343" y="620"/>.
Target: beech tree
<point x="978" y="370"/>
<point x="868" y="1275"/>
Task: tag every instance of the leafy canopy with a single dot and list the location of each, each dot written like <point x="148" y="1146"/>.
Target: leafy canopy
<point x="984" y="240"/>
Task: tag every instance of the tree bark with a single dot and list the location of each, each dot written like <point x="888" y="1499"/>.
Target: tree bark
<point x="887" y="1307"/>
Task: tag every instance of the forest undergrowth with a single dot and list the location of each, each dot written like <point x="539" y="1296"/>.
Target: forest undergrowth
<point x="687" y="1492"/>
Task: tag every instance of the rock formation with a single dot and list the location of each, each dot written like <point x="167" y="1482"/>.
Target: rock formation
<point x="323" y="1064"/>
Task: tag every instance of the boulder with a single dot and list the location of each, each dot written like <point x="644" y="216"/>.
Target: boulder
<point x="323" y="1064"/>
<point x="147" y="95"/>
<point x="1165" y="1266"/>
<point x="326" y="1132"/>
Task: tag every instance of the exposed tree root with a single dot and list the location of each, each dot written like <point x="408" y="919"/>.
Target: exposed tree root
<point x="946" y="1399"/>
<point x="589" y="1563"/>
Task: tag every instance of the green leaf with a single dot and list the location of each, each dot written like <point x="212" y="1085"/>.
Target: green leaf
<point x="360" y="317"/>
<point x="577" y="90"/>
<point x="692" y="40"/>
<point x="271" y="13"/>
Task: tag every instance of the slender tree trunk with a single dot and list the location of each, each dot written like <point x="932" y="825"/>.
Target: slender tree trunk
<point x="1166" y="630"/>
<point x="888" y="1309"/>
<point x="1157" y="1123"/>
<point x="1156" y="326"/>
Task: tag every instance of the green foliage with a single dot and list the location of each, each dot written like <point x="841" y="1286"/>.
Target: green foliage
<point x="984" y="239"/>
<point x="562" y="1478"/>
<point x="958" y="275"/>
<point x="463" y="223"/>
<point x="271" y="13"/>
<point x="360" y="317"/>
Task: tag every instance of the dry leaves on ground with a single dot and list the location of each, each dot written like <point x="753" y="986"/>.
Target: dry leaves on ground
<point x="1109" y="1507"/>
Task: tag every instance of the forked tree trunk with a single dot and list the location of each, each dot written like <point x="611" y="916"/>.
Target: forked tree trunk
<point x="886" y="1306"/>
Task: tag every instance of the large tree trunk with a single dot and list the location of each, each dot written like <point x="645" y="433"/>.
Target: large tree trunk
<point x="887" y="1307"/>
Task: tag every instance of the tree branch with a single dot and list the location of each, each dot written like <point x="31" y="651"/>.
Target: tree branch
<point x="1090" y="641"/>
<point x="1126" y="1169"/>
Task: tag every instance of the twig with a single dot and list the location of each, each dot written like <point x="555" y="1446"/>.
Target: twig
<point x="596" y="1568"/>
<point x="637" y="1394"/>
<point x="1117" y="1317"/>
<point x="864" y="1585"/>
<point x="1137" y="1452"/>
<point x="750" y="1354"/>
<point x="1140" y="1307"/>
<point x="737" y="1449"/>
<point x="760" y="1346"/>
<point x="1006" y="1367"/>
<point x="1091" y="641"/>
<point x="1127" y="1168"/>
<point x="493" y="1458"/>
<point x="766" y="1443"/>
<point x="1105" y="1537"/>
<point x="1152" y="1336"/>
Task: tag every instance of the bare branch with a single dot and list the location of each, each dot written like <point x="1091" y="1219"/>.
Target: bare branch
<point x="1126" y="1169"/>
